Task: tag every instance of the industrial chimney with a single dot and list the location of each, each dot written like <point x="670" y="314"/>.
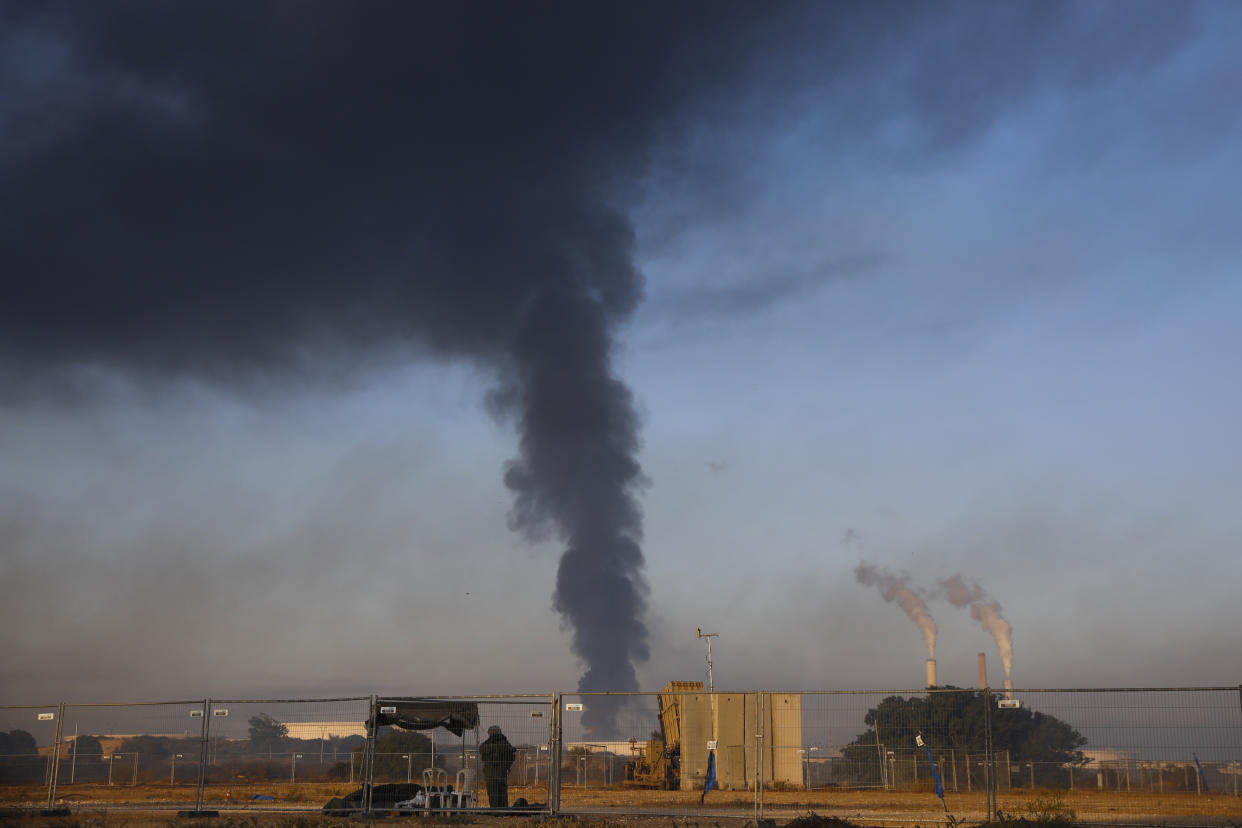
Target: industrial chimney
<point x="1009" y="688"/>
<point x="983" y="671"/>
<point x="931" y="672"/>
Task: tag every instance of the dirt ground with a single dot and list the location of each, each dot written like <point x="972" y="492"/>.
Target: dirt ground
<point x="643" y="808"/>
<point x="862" y="806"/>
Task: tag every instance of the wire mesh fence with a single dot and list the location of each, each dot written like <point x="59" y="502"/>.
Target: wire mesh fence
<point x="886" y="741"/>
<point x="111" y="751"/>
<point x="23" y="729"/>
<point x="282" y="753"/>
<point x="1156" y="756"/>
<point x="444" y="748"/>
<point x="1121" y="748"/>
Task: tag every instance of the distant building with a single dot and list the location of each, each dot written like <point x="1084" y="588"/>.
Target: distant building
<point x="325" y="730"/>
<point x="626" y="748"/>
<point x="1108" y="757"/>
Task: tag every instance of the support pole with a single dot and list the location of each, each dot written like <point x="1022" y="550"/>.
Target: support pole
<point x="368" y="762"/>
<point x="73" y="765"/>
<point x="879" y="752"/>
<point x="51" y="783"/>
<point x="554" y="769"/>
<point x="698" y="633"/>
<point x="202" y="756"/>
<point x="758" y="757"/>
<point x="989" y="771"/>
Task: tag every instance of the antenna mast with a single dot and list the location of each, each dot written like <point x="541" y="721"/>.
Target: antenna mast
<point x="698" y="633"/>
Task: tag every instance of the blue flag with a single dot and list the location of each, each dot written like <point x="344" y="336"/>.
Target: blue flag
<point x="935" y="773"/>
<point x="1202" y="778"/>
<point x="710" y="782"/>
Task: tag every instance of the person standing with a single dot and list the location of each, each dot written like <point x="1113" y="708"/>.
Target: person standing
<point x="497" y="755"/>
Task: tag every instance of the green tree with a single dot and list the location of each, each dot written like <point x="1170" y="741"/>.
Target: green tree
<point x="267" y="734"/>
<point x="17" y="743"/>
<point x="953" y="723"/>
<point x="88" y="747"/>
<point x="145" y="746"/>
<point x="391" y="744"/>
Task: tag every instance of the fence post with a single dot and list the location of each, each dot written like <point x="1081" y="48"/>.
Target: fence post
<point x="51" y="783"/>
<point x="989" y="758"/>
<point x="202" y="756"/>
<point x="554" y="769"/>
<point x="879" y="754"/>
<point x="754" y="753"/>
<point x="759" y="708"/>
<point x="368" y="759"/>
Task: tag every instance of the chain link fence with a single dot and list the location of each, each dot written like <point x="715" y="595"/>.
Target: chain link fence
<point x="1142" y="756"/>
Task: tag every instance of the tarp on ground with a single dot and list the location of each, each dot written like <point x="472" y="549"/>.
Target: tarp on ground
<point x="428" y="714"/>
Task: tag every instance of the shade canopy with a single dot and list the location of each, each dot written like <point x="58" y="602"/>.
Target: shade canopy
<point x="428" y="714"/>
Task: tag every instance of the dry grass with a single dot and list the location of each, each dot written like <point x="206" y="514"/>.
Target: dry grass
<point x="630" y="806"/>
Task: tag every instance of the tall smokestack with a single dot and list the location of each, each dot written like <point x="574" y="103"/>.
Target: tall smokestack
<point x="983" y="671"/>
<point x="931" y="672"/>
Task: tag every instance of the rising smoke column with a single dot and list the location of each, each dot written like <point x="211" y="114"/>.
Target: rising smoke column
<point x="578" y="470"/>
<point x="893" y="588"/>
<point x="257" y="195"/>
<point x="987" y="612"/>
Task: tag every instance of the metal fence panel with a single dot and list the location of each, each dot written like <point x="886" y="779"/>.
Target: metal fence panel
<point x="884" y="752"/>
<point x="404" y="757"/>
<point x="1112" y="754"/>
<point x="27" y="734"/>
<point x="653" y="753"/>
<point x="283" y="754"/>
<point x="119" y="755"/>
<point x="1143" y="756"/>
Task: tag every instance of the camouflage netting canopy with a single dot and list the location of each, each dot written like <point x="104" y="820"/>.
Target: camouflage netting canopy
<point x="428" y="714"/>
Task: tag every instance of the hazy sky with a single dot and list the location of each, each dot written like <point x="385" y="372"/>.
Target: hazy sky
<point x="947" y="288"/>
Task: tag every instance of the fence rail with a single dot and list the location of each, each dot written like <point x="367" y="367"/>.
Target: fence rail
<point x="1138" y="755"/>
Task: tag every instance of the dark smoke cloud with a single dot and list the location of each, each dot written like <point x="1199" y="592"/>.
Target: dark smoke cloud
<point x="254" y="192"/>
<point x="249" y="192"/>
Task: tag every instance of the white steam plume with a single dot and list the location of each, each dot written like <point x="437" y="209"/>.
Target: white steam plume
<point x="986" y="612"/>
<point x="893" y="588"/>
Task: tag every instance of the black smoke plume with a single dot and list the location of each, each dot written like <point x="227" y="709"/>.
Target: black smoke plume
<point x="246" y="192"/>
<point x="254" y="192"/>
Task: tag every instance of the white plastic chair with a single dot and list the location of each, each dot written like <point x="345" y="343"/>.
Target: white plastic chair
<point x="435" y="784"/>
<point x="463" y="795"/>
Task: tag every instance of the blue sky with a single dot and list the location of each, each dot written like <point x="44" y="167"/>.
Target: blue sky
<point x="996" y="338"/>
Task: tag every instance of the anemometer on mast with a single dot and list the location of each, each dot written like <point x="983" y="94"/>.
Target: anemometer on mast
<point x="698" y="633"/>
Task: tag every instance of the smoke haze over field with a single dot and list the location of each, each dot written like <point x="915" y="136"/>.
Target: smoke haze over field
<point x="496" y="346"/>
